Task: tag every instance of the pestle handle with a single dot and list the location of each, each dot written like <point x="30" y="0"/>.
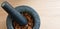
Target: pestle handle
<point x="16" y="15"/>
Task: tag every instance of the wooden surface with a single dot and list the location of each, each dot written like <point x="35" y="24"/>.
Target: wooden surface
<point x="48" y="10"/>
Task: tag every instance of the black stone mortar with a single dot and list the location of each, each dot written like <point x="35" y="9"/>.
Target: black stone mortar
<point x="27" y="9"/>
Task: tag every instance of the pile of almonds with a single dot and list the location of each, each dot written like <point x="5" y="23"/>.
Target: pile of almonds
<point x="28" y="26"/>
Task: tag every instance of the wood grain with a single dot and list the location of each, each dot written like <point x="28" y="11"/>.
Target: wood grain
<point x="48" y="10"/>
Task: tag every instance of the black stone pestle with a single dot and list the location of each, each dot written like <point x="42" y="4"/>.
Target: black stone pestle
<point x="15" y="14"/>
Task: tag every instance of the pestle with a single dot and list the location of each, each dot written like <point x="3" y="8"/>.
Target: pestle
<point x="15" y="14"/>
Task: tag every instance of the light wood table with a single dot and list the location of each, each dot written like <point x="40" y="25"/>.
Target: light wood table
<point x="48" y="10"/>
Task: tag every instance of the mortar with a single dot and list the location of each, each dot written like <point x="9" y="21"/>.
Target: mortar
<point x="28" y="10"/>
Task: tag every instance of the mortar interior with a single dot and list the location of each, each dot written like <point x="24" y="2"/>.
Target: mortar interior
<point x="29" y="19"/>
